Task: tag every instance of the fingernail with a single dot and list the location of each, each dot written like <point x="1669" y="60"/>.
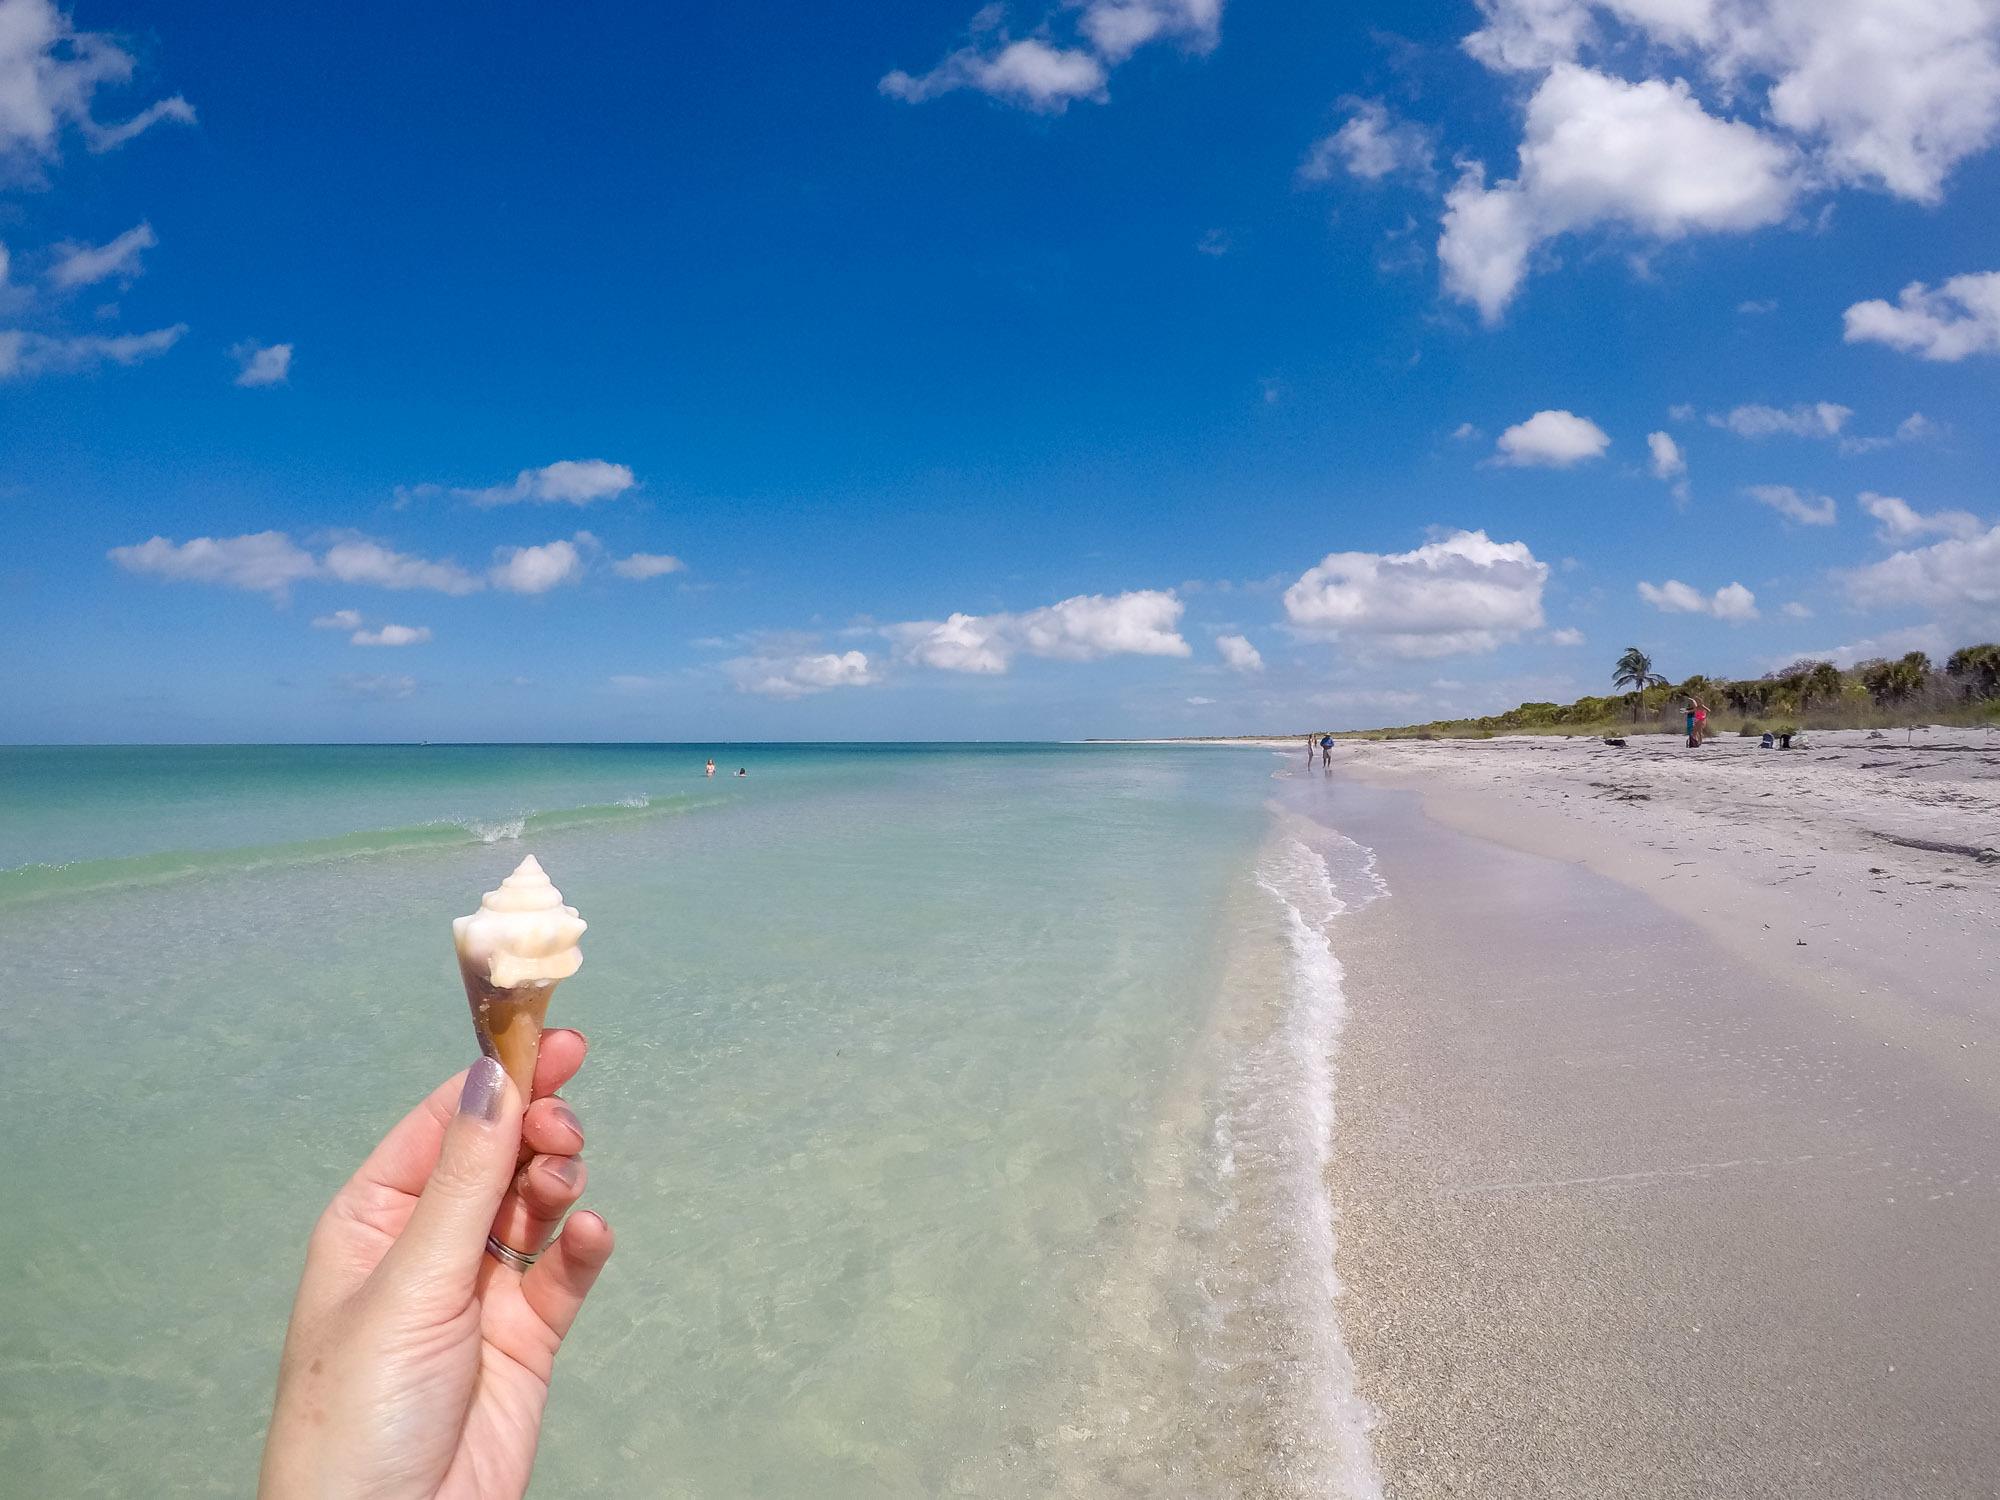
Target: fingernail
<point x="567" y="1116"/>
<point x="568" y="1168"/>
<point x="482" y="1092"/>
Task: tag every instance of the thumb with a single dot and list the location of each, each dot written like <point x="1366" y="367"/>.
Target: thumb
<point x="440" y="1247"/>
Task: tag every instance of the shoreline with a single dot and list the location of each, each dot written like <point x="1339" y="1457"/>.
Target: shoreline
<point x="1635" y="1195"/>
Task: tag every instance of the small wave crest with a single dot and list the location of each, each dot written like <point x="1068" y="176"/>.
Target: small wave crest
<point x="86" y="877"/>
<point x="1271" y="1146"/>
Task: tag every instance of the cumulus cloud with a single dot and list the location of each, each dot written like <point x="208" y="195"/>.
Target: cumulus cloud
<point x="643" y="565"/>
<point x="1084" y="628"/>
<point x="1569" y="635"/>
<point x="1794" y="505"/>
<point x="1372" y="144"/>
<point x="263" y="561"/>
<point x="1885" y="94"/>
<point x="1462" y="593"/>
<point x="571" y="481"/>
<point x="1600" y="152"/>
<point x="1958" y="579"/>
<point x="392" y="635"/>
<point x="83" y="265"/>
<point x="1958" y="319"/>
<point x="339" y="619"/>
<point x="1551" y="440"/>
<point x="261" y="364"/>
<point x="361" y="561"/>
<point x="1732" y="602"/>
<point x="1668" y="461"/>
<point x="50" y="73"/>
<point x="1040" y="73"/>
<point x="24" y="355"/>
<point x="1902" y="522"/>
<point x="536" y="570"/>
<point x="1238" y="654"/>
<point x="796" y="676"/>
<point x="1796" y="611"/>
<point x="1818" y="419"/>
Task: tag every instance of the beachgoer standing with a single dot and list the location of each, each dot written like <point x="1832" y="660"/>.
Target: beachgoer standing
<point x="1700" y="721"/>
<point x="711" y="765"/>
<point x="1690" y="723"/>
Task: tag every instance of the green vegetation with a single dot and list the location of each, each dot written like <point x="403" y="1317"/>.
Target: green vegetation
<point x="1808" y="694"/>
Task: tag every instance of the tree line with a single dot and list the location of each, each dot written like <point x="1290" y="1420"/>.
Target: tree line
<point x="1809" y="693"/>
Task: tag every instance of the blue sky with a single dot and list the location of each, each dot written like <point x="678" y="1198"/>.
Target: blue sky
<point x="1089" y="368"/>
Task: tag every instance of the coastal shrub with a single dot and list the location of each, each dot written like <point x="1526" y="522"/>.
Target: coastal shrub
<point x="1809" y="692"/>
<point x="1751" y="730"/>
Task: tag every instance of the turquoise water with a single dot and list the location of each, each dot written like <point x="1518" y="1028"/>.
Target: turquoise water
<point x="960" y="1110"/>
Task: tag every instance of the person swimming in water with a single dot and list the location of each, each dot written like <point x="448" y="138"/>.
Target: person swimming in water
<point x="741" y="772"/>
<point x="711" y="765"/>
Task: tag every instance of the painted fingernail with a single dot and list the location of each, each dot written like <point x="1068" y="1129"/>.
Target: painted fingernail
<point x="481" y="1095"/>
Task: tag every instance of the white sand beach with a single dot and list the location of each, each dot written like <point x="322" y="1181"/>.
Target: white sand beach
<point x="1668" y="1109"/>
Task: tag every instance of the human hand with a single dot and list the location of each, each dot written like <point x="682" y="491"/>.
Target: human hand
<point x="416" y="1364"/>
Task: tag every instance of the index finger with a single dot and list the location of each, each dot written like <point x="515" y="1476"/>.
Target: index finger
<point x="556" y="1064"/>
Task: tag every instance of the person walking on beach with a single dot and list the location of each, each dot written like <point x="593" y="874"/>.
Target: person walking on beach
<point x="1700" y="731"/>
<point x="1309" y="752"/>
<point x="1326" y="752"/>
<point x="1690" y="723"/>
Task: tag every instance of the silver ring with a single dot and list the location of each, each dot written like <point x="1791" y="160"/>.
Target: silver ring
<point x="507" y="1255"/>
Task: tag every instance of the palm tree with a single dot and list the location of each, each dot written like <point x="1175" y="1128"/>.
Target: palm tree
<point x="1635" y="670"/>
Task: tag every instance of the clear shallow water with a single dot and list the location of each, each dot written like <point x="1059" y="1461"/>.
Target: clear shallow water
<point x="962" y="1111"/>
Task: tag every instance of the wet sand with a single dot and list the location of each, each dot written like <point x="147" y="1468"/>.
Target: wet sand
<point x="1632" y="1207"/>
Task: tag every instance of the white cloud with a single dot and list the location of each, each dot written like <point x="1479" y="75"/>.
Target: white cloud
<point x="1807" y="510"/>
<point x="1083" y="628"/>
<point x="1030" y="73"/>
<point x="1041" y="74"/>
<point x="1118" y="28"/>
<point x="1901" y="522"/>
<point x="536" y="570"/>
<point x="1200" y="702"/>
<point x="643" y="565"/>
<point x="361" y="561"/>
<point x="23" y="355"/>
<point x="571" y="481"/>
<point x="263" y="561"/>
<point x="1889" y="94"/>
<point x="83" y="265"/>
<point x="339" y="619"/>
<point x="1797" y="611"/>
<point x="1958" y="579"/>
<point x="1598" y="151"/>
<point x="796" y="676"/>
<point x="1819" y="419"/>
<point x="262" y="364"/>
<point x="1926" y="638"/>
<point x="1463" y="593"/>
<point x="1238" y="654"/>
<point x="1731" y="602"/>
<point x="107" y="137"/>
<point x="1551" y="440"/>
<point x="1668" y="461"/>
<point x="392" y="635"/>
<point x="1569" y="635"/>
<point x="1372" y="144"/>
<point x="49" y="75"/>
<point x="1959" y="318"/>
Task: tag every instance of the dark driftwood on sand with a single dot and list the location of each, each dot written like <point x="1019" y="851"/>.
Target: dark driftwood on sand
<point x="1937" y="846"/>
